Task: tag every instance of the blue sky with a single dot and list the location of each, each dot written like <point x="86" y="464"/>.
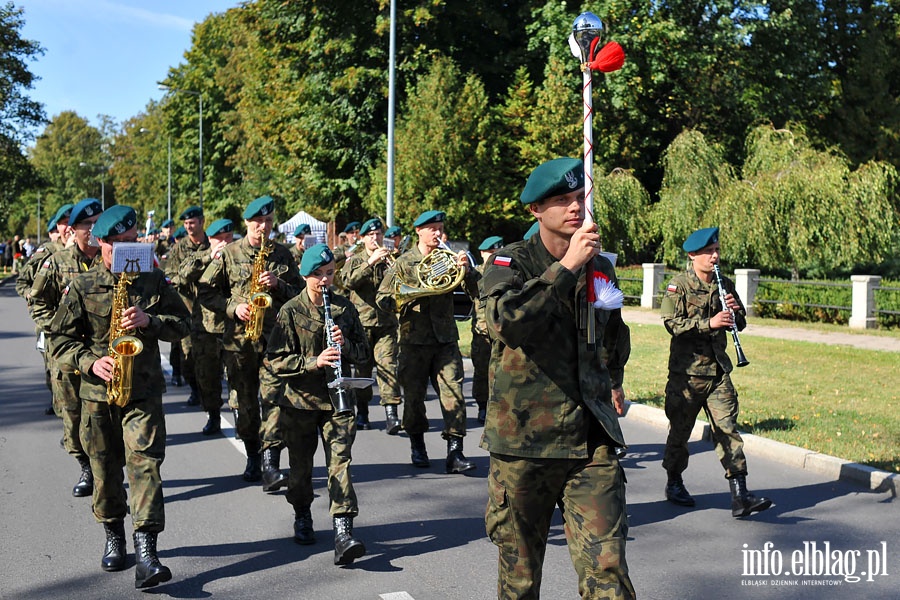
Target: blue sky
<point x="105" y="56"/>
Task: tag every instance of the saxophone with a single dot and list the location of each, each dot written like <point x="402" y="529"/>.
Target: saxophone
<point x="123" y="346"/>
<point x="260" y="299"/>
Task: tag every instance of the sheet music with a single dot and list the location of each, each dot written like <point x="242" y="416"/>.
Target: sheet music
<point x="132" y="257"/>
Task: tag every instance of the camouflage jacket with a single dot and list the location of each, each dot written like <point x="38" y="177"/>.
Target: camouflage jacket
<point x="479" y="324"/>
<point x="25" y="281"/>
<point x="56" y="272"/>
<point x="202" y="318"/>
<point x="182" y="251"/>
<point x="80" y="329"/>
<point x="297" y="253"/>
<point x="363" y="279"/>
<point x="163" y="247"/>
<point x="425" y="319"/>
<point x="298" y="338"/>
<point x="544" y="382"/>
<point x="226" y="283"/>
<point x="686" y="309"/>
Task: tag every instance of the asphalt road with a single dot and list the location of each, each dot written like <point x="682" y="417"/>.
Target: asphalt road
<point x="424" y="530"/>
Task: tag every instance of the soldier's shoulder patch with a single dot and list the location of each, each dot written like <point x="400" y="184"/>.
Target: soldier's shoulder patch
<point x="46" y="264"/>
<point x="502" y="261"/>
<point x="672" y="288"/>
<point x="218" y="254"/>
<point x="66" y="291"/>
<point x="168" y="280"/>
<point x="41" y="249"/>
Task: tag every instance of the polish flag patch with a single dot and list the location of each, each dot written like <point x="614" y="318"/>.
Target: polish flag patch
<point x="502" y="261"/>
<point x="672" y="288"/>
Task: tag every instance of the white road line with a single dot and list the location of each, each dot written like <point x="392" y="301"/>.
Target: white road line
<point x="396" y="596"/>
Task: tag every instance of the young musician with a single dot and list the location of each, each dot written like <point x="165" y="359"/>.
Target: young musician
<point x="699" y="368"/>
<point x="304" y="354"/>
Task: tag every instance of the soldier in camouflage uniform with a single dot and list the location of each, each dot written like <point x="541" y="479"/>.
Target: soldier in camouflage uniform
<point x="60" y="234"/>
<point x="300" y="233"/>
<point x="552" y="424"/>
<point x="481" y="341"/>
<point x="133" y="436"/>
<point x="165" y="243"/>
<point x="429" y="346"/>
<point x="195" y="241"/>
<point x="299" y="354"/>
<point x="224" y="287"/>
<point x="362" y="274"/>
<point x="55" y="273"/>
<point x="699" y="367"/>
<point x="207" y="327"/>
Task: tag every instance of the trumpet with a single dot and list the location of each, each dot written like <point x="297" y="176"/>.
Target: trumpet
<point x="741" y="359"/>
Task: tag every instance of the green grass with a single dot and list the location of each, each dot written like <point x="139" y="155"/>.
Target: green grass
<point x="836" y="400"/>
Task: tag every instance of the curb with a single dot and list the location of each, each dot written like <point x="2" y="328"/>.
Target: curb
<point x="822" y="464"/>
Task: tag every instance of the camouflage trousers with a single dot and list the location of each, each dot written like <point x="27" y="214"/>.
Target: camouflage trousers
<point x="176" y="356"/>
<point x="686" y="396"/>
<point x="187" y="361"/>
<point x="383" y="355"/>
<point x="419" y="363"/>
<point x="522" y="496"/>
<point x="208" y="367"/>
<point x="65" y="399"/>
<point x="481" y="358"/>
<point x="133" y="437"/>
<point x="302" y="429"/>
<point x="257" y="422"/>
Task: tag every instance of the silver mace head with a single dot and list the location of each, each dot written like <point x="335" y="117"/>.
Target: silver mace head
<point x="586" y="28"/>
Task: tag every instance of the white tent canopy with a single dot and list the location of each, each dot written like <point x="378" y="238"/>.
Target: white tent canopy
<point x="319" y="229"/>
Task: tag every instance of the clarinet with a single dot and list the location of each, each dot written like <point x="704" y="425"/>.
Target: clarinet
<point x="741" y="359"/>
<point x="339" y="395"/>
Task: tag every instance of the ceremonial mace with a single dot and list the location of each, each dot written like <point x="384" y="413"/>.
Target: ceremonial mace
<point x="587" y="31"/>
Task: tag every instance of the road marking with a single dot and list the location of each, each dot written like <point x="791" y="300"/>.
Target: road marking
<point x="396" y="596"/>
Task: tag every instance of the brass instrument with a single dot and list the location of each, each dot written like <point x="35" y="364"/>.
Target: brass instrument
<point x="437" y="273"/>
<point x="741" y="359"/>
<point x="260" y="299"/>
<point x="123" y="346"/>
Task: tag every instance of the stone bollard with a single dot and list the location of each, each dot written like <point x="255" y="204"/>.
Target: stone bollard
<point x="653" y="279"/>
<point x="862" y="313"/>
<point x="746" y="281"/>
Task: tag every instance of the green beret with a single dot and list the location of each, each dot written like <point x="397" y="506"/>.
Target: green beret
<point x="302" y="229"/>
<point x="314" y="258"/>
<point x="430" y="216"/>
<point x="180" y="232"/>
<point x="262" y="206"/>
<point x="168" y="223"/>
<point x="532" y="230"/>
<point x="554" y="178"/>
<point x="351" y="226"/>
<point x="63" y="213"/>
<point x="219" y="226"/>
<point x="700" y="239"/>
<point x="370" y="225"/>
<point x="393" y="231"/>
<point x="114" y="221"/>
<point x="491" y="243"/>
<point x="88" y="207"/>
<point x="51" y="226"/>
<point x="191" y="212"/>
<point x="153" y="231"/>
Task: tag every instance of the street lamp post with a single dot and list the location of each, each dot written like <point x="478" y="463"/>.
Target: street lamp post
<point x="167" y="87"/>
<point x="103" y="171"/>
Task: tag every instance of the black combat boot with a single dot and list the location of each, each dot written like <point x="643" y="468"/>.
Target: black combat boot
<point x="456" y="460"/>
<point x="391" y="420"/>
<point x="85" y="485"/>
<point x="148" y="570"/>
<point x="114" y="552"/>
<point x="362" y="422"/>
<point x="177" y="380"/>
<point x="194" y="398"/>
<point x="252" y="472"/>
<point x="214" y="424"/>
<point x="743" y="502"/>
<point x="482" y="415"/>
<point x="419" y="453"/>
<point x="303" y="527"/>
<point x="272" y="477"/>
<point x="676" y="493"/>
<point x="346" y="547"/>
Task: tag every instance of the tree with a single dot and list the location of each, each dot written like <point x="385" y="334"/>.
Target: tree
<point x="19" y="115"/>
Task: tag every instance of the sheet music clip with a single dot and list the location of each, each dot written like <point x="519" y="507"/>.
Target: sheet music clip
<point x="352" y="383"/>
<point x="132" y="257"/>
